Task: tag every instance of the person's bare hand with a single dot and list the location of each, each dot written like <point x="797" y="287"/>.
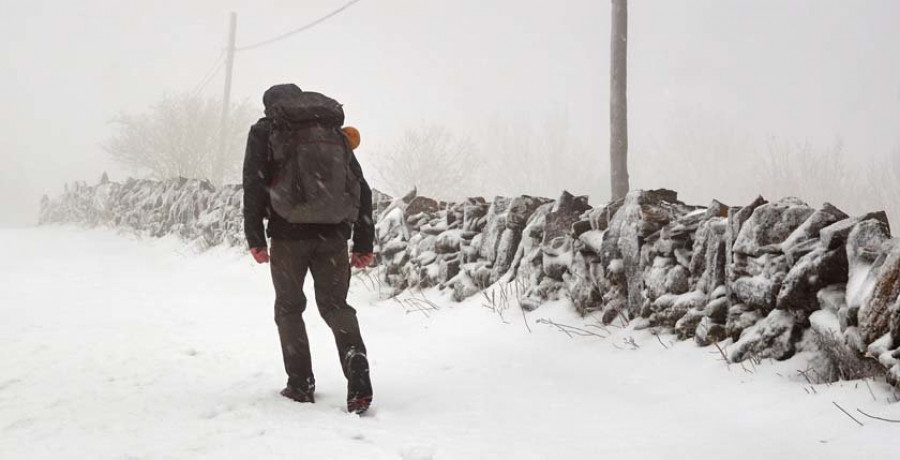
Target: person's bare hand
<point x="361" y="260"/>
<point x="260" y="255"/>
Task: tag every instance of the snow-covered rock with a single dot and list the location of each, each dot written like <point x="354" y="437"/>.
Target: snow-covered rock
<point x="808" y="276"/>
<point x="757" y="274"/>
<point x="865" y="242"/>
<point x="521" y="209"/>
<point x="877" y="310"/>
<point x="770" y="225"/>
<point x="835" y="235"/>
<point x="773" y="337"/>
<point x="810" y="229"/>
<point x="566" y="211"/>
<point x="757" y="292"/>
<point x="708" y="262"/>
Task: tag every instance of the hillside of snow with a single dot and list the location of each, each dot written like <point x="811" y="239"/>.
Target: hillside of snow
<point x="116" y="347"/>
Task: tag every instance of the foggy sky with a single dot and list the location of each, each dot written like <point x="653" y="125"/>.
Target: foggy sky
<point x="802" y="69"/>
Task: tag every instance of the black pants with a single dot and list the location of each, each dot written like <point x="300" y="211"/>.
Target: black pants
<point x="328" y="261"/>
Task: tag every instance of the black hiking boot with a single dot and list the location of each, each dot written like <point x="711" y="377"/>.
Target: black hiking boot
<point x="298" y="395"/>
<point x="359" y="387"/>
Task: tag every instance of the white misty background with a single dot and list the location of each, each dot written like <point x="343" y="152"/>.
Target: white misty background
<point x="728" y="99"/>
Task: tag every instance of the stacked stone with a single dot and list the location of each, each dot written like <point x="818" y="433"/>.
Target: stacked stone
<point x="542" y="245"/>
<point x="696" y="287"/>
<point x="421" y="242"/>
<point x="630" y="262"/>
<point x="191" y="209"/>
<point x="492" y="237"/>
<point x="793" y="268"/>
<point x="760" y="276"/>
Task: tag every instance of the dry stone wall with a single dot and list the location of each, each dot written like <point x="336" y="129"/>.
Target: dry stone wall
<point x="757" y="279"/>
<point x="190" y="209"/>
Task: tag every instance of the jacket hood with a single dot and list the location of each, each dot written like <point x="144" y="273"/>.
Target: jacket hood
<point x="288" y="103"/>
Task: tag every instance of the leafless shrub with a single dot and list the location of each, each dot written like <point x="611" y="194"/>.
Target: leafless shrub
<point x="430" y="158"/>
<point x="502" y="296"/>
<point x="837" y="361"/>
<point x="179" y="136"/>
<point x="373" y="278"/>
<point x="700" y="145"/>
<point x="538" y="156"/>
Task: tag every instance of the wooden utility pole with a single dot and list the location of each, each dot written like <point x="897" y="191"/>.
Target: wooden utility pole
<point x="219" y="164"/>
<point x="618" y="101"/>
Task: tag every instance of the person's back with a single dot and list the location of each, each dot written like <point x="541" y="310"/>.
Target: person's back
<point x="301" y="175"/>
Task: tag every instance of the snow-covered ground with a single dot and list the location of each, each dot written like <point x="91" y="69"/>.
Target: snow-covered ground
<point x="114" y="347"/>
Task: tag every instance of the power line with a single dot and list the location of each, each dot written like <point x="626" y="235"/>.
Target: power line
<point x="301" y="29"/>
<point x="210" y="74"/>
<point x="209" y="79"/>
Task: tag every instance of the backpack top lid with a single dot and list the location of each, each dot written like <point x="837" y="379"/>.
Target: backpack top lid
<point x="289" y="104"/>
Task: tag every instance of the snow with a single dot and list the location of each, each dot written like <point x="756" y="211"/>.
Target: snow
<point x="593" y="239"/>
<point x="860" y="285"/>
<point x="825" y="322"/>
<point x="116" y="347"/>
<point x="770" y="337"/>
<point x="617" y="266"/>
<point x="881" y="350"/>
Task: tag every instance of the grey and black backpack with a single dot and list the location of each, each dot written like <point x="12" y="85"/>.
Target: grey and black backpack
<point x="312" y="182"/>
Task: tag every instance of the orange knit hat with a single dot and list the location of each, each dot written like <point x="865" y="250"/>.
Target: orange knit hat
<point x="352" y="136"/>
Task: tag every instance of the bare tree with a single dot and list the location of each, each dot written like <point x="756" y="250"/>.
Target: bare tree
<point x="429" y="158"/>
<point x="618" y="101"/>
<point x="179" y="137"/>
<point x="540" y="156"/>
<point x="884" y="184"/>
<point x="830" y="173"/>
<point x="801" y="169"/>
<point x="696" y="153"/>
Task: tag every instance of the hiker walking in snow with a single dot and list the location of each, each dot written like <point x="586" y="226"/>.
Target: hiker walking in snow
<point x="300" y="173"/>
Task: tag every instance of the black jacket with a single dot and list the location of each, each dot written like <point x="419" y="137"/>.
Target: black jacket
<point x="258" y="174"/>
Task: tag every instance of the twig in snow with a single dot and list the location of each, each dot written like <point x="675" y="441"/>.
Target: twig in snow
<point x="848" y="414"/>
<point x="877" y="418"/>
<point x="722" y="352"/>
<point x="820" y="378"/>
<point x="622" y="318"/>
<point x="496" y="310"/>
<point x="755" y="359"/>
<point x="660" y="341"/>
<point x="599" y="326"/>
<point x="416" y="307"/>
<point x="806" y="376"/>
<point x="543" y="321"/>
<point x="870" y="390"/>
<point x="630" y="342"/>
<point x="525" y="318"/>
<point x="411" y="307"/>
<point x="752" y="363"/>
<point x="424" y="299"/>
<point x="571" y="331"/>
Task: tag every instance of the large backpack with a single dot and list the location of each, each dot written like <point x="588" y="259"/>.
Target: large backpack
<point x="312" y="179"/>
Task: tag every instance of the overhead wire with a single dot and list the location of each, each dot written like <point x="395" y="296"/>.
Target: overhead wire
<point x="210" y="74"/>
<point x="211" y="77"/>
<point x="219" y="62"/>
<point x="298" y="30"/>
